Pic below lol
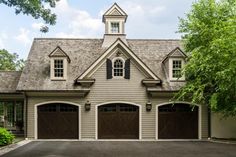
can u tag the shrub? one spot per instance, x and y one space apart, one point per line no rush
6 137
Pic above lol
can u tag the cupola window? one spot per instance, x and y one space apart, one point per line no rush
115 27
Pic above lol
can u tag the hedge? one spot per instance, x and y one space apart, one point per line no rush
6 137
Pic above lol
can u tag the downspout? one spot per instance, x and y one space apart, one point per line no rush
26 114
209 123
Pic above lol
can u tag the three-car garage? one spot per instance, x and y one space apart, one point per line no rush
117 121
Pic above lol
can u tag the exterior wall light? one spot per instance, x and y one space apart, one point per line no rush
87 106
148 106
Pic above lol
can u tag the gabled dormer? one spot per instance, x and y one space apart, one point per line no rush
174 63
114 19
58 64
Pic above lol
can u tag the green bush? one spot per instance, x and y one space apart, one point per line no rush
6 137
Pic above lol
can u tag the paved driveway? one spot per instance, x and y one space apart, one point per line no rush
118 149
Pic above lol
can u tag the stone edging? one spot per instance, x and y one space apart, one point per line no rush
13 146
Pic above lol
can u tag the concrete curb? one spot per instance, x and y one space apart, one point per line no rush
13 146
223 142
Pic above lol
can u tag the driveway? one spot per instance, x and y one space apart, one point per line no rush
118 149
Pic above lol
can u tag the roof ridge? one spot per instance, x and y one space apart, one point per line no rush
158 39
9 71
68 38
102 39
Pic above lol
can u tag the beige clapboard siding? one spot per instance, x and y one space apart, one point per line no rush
204 121
104 91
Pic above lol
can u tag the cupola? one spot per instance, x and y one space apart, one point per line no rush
114 19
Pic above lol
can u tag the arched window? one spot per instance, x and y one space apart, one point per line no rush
118 67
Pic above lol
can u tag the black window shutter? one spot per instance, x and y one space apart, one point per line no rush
109 69
127 69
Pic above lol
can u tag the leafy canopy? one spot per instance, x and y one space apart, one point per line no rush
10 61
35 8
209 35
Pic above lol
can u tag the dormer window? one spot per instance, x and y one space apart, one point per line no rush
176 66
174 63
115 27
58 62
58 68
118 67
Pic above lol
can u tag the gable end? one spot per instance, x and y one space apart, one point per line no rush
177 52
126 49
58 52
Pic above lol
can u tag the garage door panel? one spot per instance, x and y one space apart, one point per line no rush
129 125
107 123
57 121
47 125
68 120
177 122
118 121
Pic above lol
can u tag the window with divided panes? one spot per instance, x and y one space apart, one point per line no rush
115 27
176 68
58 68
118 68
11 114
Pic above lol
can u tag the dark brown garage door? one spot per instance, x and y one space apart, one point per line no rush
177 122
58 121
118 121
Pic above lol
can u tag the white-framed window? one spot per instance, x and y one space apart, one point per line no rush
115 27
118 67
175 69
58 68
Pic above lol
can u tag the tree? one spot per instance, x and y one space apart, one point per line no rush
35 8
209 36
10 61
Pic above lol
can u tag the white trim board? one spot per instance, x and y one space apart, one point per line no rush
51 102
118 102
199 119
112 8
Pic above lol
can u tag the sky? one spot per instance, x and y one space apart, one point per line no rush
147 19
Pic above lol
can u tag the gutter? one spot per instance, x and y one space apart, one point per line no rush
26 114
209 122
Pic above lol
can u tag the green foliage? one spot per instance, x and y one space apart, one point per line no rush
10 61
209 35
6 137
35 8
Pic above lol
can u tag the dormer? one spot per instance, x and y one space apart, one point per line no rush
58 64
174 63
114 19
